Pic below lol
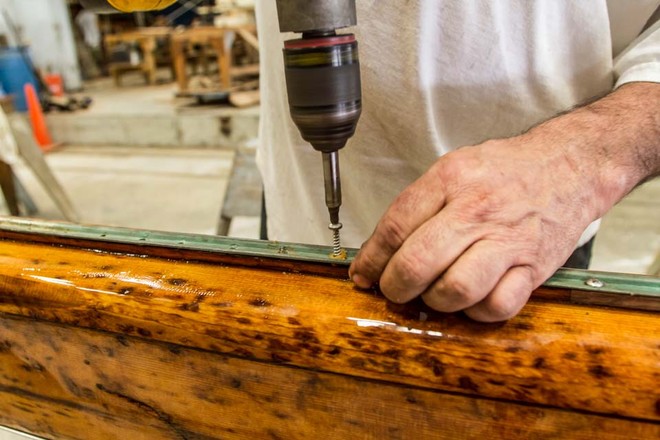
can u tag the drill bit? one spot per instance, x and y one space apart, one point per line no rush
333 197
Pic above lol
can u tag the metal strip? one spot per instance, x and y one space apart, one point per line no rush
195 242
610 282
584 280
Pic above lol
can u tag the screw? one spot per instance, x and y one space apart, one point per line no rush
336 241
594 282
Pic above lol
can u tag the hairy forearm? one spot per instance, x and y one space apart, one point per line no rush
613 142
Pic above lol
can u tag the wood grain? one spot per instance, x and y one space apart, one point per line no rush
587 360
108 387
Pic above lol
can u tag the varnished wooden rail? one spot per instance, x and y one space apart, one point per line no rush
101 340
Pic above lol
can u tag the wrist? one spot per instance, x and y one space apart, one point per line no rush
611 144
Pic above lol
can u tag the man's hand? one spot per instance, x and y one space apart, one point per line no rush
487 224
481 229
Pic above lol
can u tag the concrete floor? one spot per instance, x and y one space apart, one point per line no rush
159 189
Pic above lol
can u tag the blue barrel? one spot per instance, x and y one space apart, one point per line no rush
14 74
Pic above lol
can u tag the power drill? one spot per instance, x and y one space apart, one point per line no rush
322 73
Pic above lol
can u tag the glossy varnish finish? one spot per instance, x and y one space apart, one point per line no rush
132 346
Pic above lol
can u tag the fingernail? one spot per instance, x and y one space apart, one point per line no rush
361 281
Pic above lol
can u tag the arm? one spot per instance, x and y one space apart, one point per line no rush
487 224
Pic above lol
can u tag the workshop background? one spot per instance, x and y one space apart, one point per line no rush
150 120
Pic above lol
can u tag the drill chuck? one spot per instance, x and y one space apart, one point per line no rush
324 90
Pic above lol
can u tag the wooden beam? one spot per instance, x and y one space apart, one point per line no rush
108 387
556 368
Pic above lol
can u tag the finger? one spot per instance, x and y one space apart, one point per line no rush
416 204
508 297
470 279
427 253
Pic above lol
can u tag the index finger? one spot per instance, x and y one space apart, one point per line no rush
412 208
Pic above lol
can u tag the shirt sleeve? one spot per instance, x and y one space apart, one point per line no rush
640 61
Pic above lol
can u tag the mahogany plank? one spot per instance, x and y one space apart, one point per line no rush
72 383
560 363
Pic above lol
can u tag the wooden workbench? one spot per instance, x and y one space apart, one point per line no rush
146 38
107 333
215 38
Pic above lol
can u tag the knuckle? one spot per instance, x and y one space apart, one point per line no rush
459 288
501 307
448 168
505 301
437 300
450 294
365 263
391 231
432 299
405 201
410 269
457 163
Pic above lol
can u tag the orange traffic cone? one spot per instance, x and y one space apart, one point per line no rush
39 127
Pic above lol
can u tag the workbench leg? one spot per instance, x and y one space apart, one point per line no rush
204 59
116 76
114 71
16 195
8 188
24 197
179 62
224 62
223 225
654 268
148 47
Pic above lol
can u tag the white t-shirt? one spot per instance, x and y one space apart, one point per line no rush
438 75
